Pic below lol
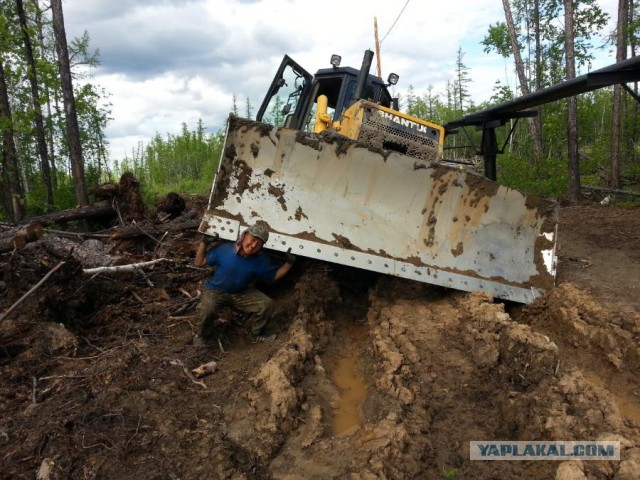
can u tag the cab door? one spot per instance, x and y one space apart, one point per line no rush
287 95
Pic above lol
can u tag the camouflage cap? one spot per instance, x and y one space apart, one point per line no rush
259 231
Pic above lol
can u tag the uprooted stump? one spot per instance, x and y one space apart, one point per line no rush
171 203
125 197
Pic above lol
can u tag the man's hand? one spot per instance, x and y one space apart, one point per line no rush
286 266
291 258
209 239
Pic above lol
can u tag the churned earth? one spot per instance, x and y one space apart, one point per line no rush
370 377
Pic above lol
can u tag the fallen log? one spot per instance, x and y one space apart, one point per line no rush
611 191
102 210
90 253
105 190
16 238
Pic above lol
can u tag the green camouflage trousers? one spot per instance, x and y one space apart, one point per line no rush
251 301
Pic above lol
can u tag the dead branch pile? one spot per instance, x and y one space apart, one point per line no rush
60 276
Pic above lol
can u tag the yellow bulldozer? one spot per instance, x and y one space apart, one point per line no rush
338 173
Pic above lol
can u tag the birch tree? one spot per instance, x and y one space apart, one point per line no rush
534 125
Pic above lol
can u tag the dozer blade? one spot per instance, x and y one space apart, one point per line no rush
330 198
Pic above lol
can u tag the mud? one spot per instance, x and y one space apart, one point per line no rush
278 192
299 215
243 177
223 175
244 124
353 392
344 242
458 250
370 377
308 140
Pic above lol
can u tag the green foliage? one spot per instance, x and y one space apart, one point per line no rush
548 178
65 195
450 473
498 39
186 162
411 102
80 52
428 106
501 93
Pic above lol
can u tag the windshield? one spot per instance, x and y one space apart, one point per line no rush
286 97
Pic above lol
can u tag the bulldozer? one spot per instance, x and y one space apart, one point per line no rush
338 173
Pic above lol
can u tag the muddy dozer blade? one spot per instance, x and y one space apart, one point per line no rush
329 198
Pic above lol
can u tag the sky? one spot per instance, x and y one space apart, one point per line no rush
166 62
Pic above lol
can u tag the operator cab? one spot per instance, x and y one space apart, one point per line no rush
291 99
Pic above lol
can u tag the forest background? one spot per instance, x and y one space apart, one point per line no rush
53 118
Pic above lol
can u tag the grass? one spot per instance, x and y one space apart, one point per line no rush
450 473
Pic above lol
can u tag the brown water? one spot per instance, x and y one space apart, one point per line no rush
348 377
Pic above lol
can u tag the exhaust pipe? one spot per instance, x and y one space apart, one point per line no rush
362 77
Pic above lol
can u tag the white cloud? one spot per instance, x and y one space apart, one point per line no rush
160 105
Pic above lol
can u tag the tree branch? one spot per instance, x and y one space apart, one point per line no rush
123 268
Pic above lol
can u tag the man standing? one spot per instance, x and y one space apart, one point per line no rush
237 265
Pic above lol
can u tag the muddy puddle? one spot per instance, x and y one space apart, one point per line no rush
348 376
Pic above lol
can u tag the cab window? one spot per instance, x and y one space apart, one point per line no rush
285 100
